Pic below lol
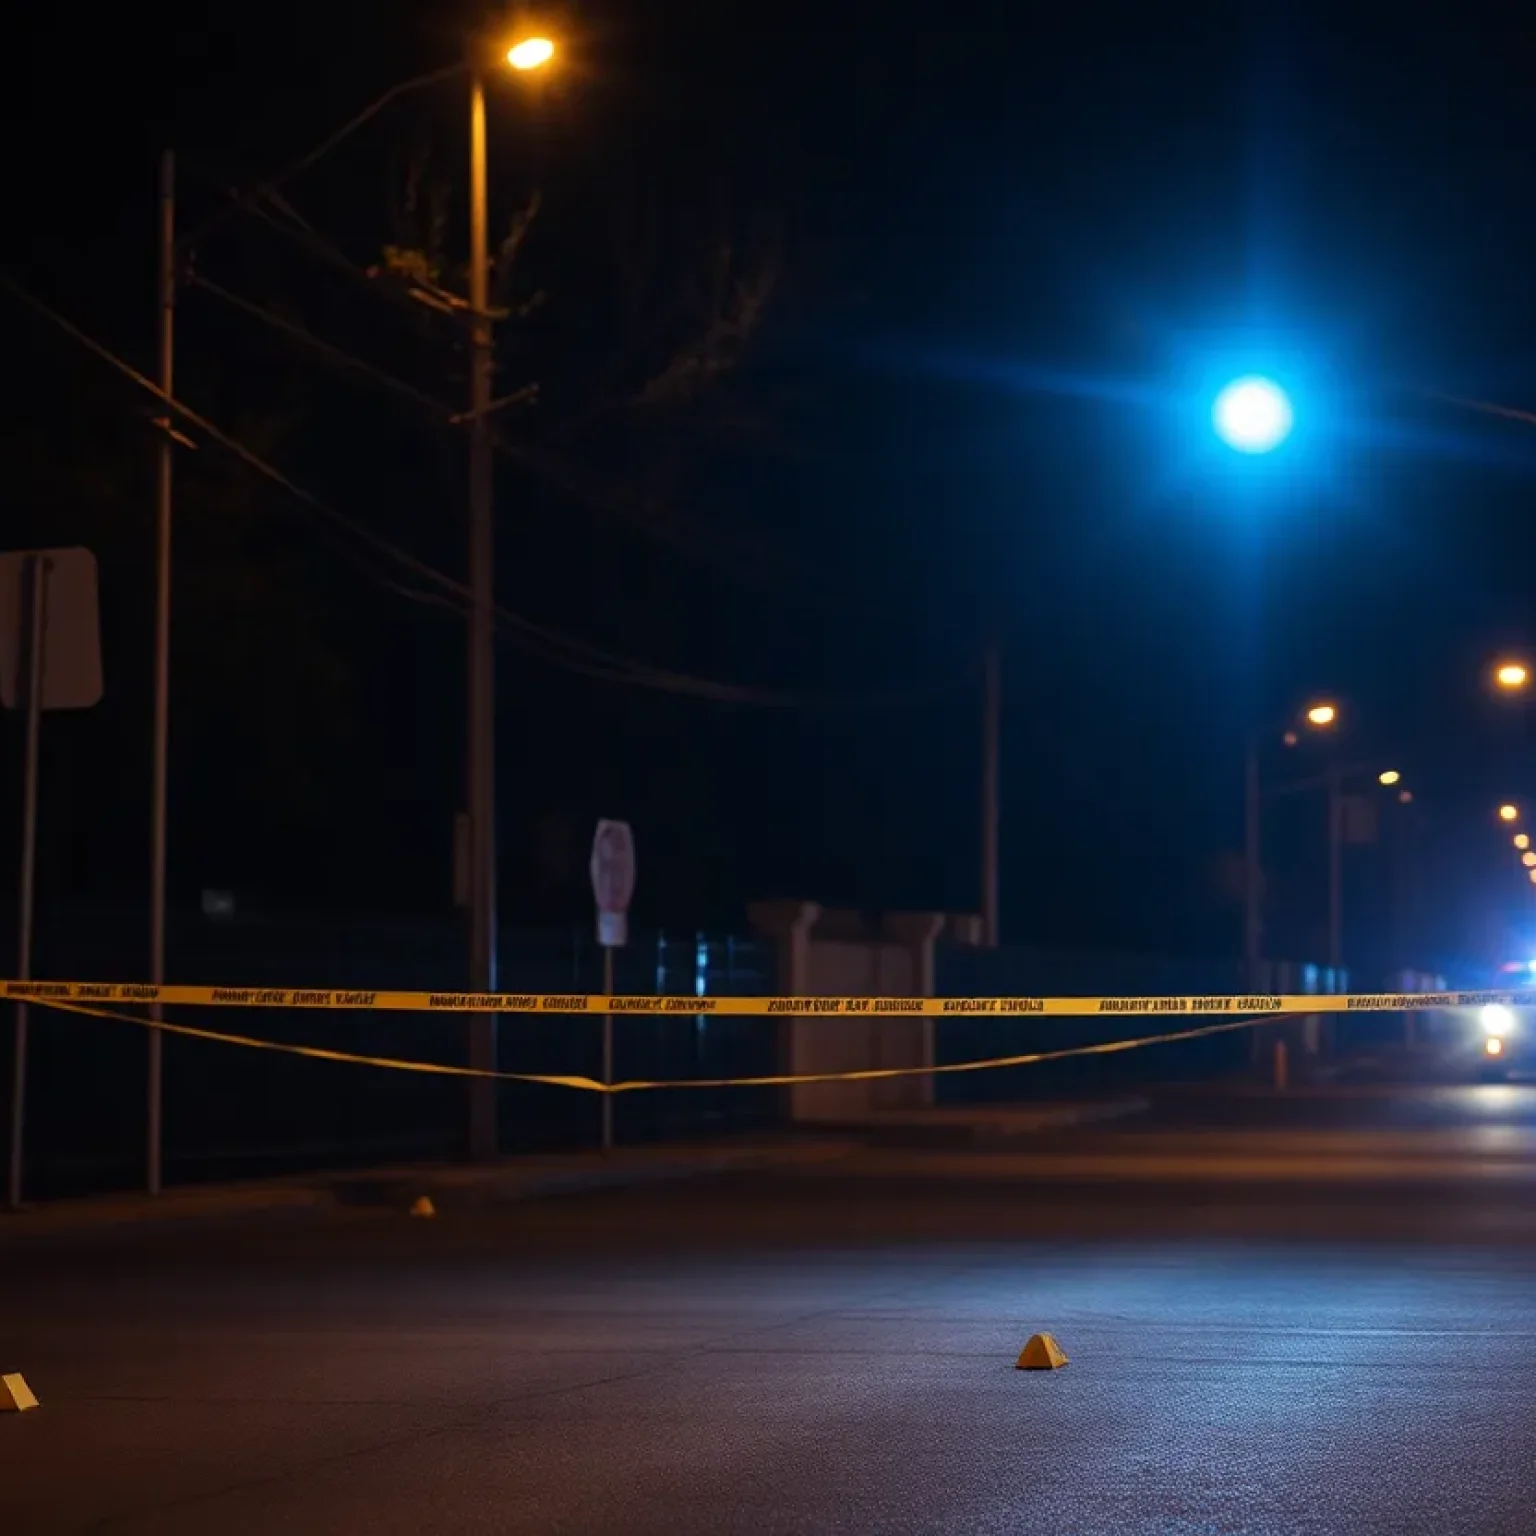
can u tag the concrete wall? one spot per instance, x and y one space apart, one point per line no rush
840 954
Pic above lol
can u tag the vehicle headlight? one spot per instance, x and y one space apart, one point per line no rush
1497 1020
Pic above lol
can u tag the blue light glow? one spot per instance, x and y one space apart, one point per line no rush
1252 415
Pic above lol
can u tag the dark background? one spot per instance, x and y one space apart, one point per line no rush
1018 249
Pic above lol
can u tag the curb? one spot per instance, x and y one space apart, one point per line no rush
116 1212
459 1189
450 1188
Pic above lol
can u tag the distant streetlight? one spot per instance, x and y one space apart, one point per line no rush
1522 840
530 53
1252 415
1509 813
1405 797
1391 776
1529 860
1320 716
1512 676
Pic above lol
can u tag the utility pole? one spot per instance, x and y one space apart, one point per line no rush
154 1096
991 768
1402 945
1335 871
1253 870
483 1142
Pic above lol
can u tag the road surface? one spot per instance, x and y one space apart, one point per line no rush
1329 1350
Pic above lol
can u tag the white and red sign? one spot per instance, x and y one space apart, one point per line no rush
613 881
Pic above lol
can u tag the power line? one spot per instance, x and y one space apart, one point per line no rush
1488 408
563 650
564 477
559 474
305 161
338 356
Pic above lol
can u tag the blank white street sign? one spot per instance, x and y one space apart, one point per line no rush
613 880
71 633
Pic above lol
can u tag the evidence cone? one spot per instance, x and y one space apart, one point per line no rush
15 1395
1042 1353
422 1206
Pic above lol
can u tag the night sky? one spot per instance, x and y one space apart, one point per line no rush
1017 248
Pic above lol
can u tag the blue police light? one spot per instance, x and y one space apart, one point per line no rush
1252 415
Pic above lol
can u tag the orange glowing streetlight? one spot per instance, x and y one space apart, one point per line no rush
1391 776
1529 860
1522 840
1509 812
523 54
1320 715
1512 676
530 53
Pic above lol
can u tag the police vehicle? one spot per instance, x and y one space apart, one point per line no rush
1505 1034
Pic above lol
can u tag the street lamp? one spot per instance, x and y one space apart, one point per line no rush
1529 860
1252 415
1509 813
1319 716
1522 840
529 53
1512 676
1391 776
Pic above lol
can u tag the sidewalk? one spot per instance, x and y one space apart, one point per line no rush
450 1187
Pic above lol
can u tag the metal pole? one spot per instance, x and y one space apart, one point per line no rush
607 1049
35 635
991 814
1322 1031
1253 873
162 684
1402 942
1335 870
1401 948
483 1138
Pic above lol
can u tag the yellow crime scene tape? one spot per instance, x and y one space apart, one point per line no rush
635 1085
89 999
742 1007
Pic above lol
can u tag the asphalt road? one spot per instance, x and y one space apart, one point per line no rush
828 1352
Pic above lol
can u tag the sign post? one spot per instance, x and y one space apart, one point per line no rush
613 885
50 658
